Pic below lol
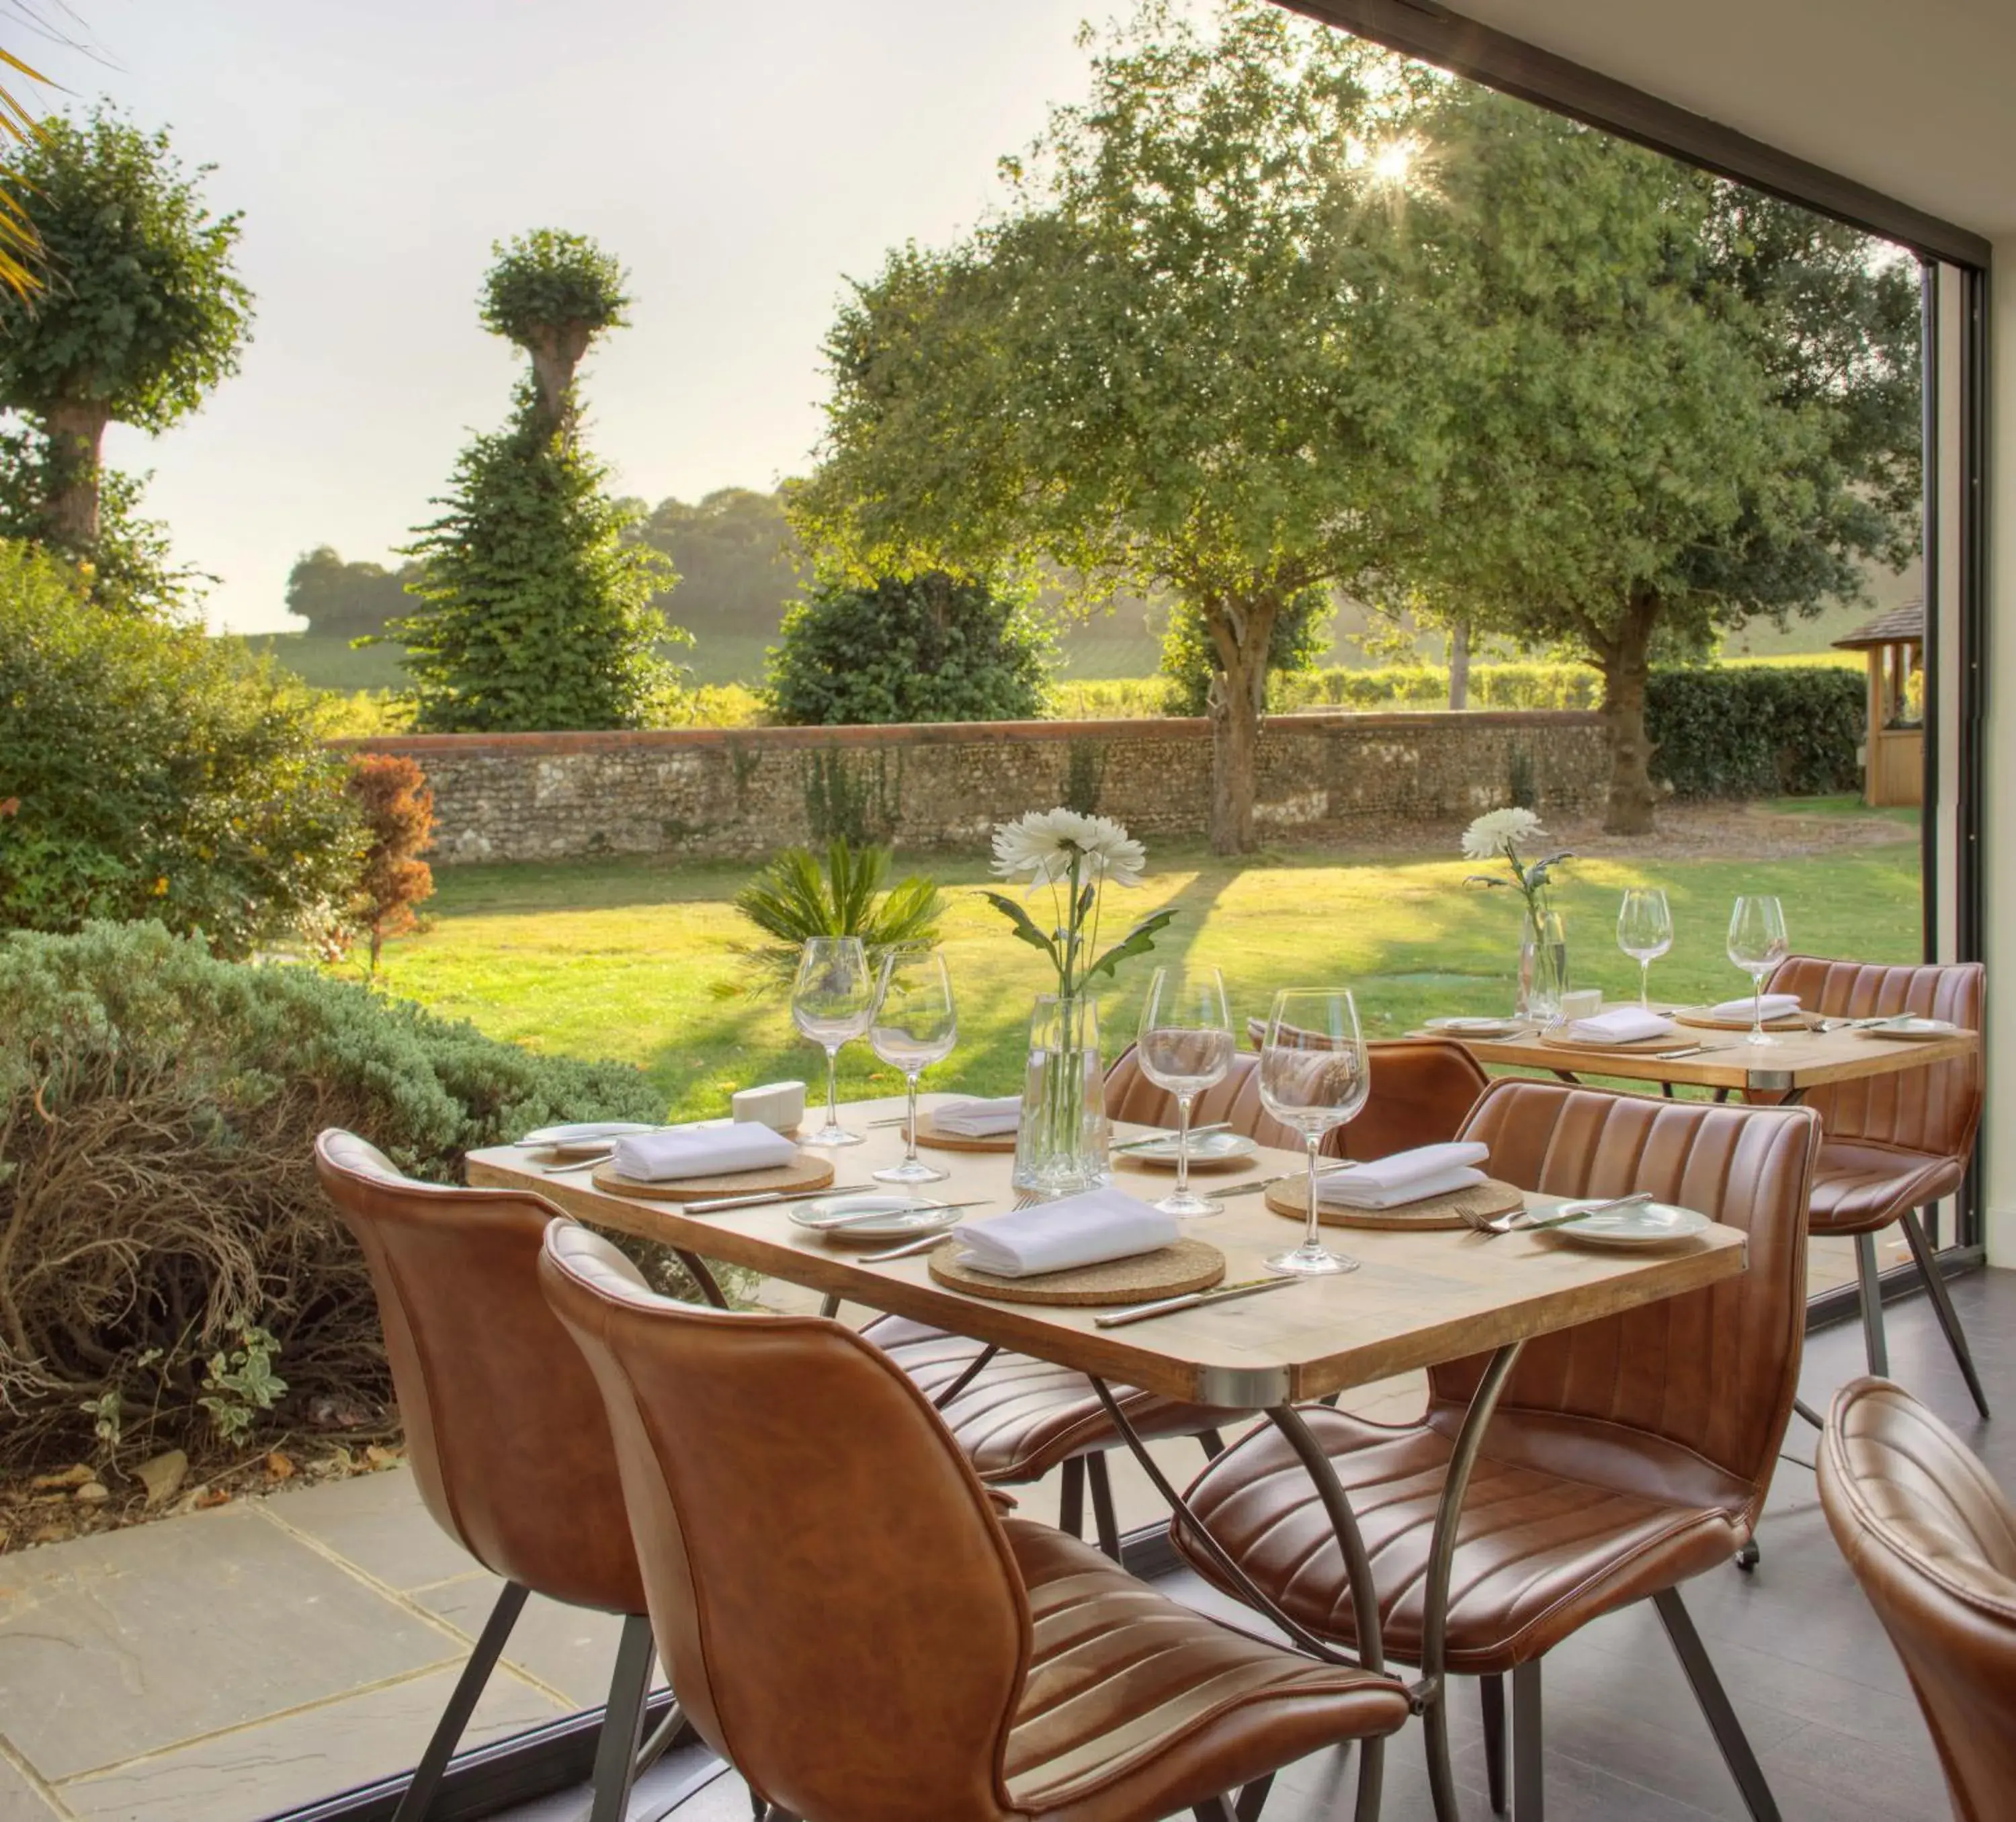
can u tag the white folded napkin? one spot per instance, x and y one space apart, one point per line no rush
1626 1024
701 1151
1406 1177
1776 1006
978 1120
1081 1230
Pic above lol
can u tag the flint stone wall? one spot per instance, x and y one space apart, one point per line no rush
741 793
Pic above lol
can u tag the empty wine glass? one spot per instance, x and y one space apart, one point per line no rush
832 1001
1644 932
1314 1074
915 1026
1757 944
1186 1046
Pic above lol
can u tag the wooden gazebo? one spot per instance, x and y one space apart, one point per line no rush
1894 765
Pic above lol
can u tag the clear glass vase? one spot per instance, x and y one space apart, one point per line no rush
1543 968
1061 1146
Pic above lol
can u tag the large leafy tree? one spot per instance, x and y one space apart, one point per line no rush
538 607
1145 371
1665 404
142 312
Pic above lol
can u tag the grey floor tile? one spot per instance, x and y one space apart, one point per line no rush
375 1521
20 1800
571 1649
128 1642
257 1771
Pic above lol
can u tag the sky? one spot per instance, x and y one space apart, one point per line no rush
742 161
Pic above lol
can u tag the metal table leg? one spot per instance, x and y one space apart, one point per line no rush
702 1275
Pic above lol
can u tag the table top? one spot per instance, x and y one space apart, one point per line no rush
1416 1300
1794 1061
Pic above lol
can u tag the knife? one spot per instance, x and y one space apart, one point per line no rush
720 1205
1285 1177
1196 1132
1193 1300
882 1217
1580 1213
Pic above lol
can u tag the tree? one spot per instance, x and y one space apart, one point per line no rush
1190 661
398 810
1666 404
142 313
737 557
347 601
538 601
1147 370
930 648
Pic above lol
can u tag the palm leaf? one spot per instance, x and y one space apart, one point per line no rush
797 896
20 243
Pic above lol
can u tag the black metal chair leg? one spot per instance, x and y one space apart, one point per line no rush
469 1686
1212 1443
1105 1524
1071 1498
1874 1344
1253 1799
1715 1705
1490 1690
1942 1301
1749 1556
1811 1415
1215 1809
622 1722
1529 1784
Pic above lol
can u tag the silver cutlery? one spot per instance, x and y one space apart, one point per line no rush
567 1164
1191 1300
1674 1056
757 1199
1516 1223
1285 1177
1024 1199
837 1222
1196 1132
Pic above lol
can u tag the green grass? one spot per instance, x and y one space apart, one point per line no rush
636 960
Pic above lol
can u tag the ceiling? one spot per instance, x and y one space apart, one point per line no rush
1916 99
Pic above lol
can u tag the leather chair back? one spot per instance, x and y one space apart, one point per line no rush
1933 1542
1935 1110
1699 1386
820 1560
1421 1090
504 1426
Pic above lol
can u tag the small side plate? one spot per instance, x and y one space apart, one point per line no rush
1205 1148
1647 1224
587 1135
1913 1030
1473 1027
900 1217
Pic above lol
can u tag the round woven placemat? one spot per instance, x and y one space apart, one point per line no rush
928 1135
1704 1021
1189 1265
805 1172
1488 1199
1596 1047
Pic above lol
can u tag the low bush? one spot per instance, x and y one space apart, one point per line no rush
1762 730
166 1254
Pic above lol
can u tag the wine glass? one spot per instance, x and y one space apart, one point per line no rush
1186 1046
832 1001
1757 944
1314 1074
915 1026
1644 932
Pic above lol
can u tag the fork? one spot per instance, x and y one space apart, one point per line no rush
1025 1199
1492 1226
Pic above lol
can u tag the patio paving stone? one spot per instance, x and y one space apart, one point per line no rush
375 1521
569 1649
20 1800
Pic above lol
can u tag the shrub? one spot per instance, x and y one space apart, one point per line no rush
793 898
159 1210
1763 731
398 811
160 774
928 648
1189 662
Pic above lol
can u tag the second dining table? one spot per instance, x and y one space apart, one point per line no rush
1417 1299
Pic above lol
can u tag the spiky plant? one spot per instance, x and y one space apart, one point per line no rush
799 896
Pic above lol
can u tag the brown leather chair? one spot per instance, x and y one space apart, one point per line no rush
1895 1144
1626 1454
1932 1540
852 1624
1018 1418
504 1432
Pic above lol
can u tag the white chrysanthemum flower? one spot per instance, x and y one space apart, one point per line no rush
1489 837
1043 844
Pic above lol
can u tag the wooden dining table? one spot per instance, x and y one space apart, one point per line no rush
1417 1299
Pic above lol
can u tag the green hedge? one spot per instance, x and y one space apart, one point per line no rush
1762 731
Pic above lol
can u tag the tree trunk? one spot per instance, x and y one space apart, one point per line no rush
1625 660
76 433
1459 664
557 349
1240 631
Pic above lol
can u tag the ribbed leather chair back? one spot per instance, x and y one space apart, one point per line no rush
1932 1539
1935 1110
836 1603
1711 1373
505 1428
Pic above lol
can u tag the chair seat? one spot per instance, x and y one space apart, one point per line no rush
1859 1186
1021 1417
1565 1518
1136 1706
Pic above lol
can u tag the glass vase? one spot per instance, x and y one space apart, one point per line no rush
1543 968
1060 1147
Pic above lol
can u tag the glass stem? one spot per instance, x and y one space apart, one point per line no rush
910 1128
1182 1145
832 1086
1645 984
1313 1233
1757 1013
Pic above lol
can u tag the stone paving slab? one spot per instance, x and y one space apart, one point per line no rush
568 1649
19 1800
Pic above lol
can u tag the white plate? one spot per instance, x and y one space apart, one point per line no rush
1474 1027
1205 1148
1656 1223
1913 1030
585 1135
900 1217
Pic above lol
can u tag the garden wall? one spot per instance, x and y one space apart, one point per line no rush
741 793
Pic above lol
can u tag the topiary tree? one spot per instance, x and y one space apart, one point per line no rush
552 293
928 648
142 312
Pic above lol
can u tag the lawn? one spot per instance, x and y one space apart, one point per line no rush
638 960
